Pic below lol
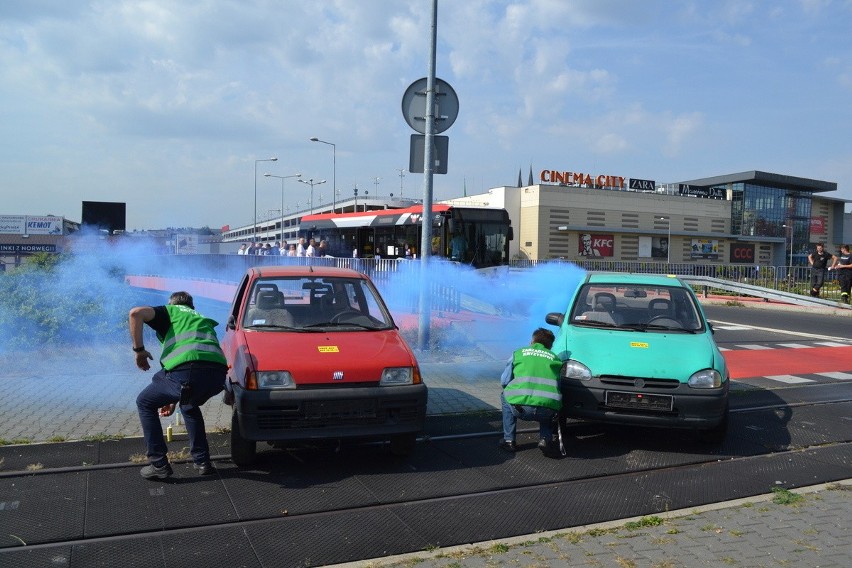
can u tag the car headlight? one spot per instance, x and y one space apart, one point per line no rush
275 380
397 376
576 370
706 379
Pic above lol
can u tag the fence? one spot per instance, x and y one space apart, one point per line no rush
794 279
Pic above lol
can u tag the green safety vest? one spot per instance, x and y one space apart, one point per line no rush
536 378
191 337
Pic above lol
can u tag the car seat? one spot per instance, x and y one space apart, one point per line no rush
660 307
603 309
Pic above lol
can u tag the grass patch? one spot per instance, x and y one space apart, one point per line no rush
652 521
34 467
15 441
57 439
103 437
785 496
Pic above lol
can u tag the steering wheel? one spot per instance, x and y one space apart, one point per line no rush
347 314
665 317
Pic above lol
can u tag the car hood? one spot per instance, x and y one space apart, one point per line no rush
643 354
315 357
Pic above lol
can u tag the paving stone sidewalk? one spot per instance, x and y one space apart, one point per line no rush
808 527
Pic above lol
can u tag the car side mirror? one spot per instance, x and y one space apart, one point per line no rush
232 322
554 318
710 325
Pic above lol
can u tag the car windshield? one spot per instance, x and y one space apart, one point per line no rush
637 308
314 304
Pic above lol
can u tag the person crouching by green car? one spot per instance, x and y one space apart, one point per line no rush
531 391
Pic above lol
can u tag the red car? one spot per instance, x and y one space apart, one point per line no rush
314 354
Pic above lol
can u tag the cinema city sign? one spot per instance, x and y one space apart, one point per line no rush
576 178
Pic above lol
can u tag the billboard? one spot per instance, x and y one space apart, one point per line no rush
705 248
31 225
741 254
660 247
104 215
596 246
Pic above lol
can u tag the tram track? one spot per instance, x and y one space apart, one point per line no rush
447 446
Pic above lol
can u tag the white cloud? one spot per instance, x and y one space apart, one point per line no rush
175 100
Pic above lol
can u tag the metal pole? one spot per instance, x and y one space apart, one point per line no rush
254 229
333 172
428 169
282 178
669 249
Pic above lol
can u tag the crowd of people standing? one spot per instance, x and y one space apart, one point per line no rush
309 248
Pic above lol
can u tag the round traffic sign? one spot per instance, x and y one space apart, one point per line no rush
414 105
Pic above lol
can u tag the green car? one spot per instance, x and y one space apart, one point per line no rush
638 350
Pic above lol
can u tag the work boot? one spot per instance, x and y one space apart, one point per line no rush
151 471
205 468
507 446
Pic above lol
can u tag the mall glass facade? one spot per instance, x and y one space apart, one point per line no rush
765 211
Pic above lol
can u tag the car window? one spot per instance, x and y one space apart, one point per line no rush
637 306
308 302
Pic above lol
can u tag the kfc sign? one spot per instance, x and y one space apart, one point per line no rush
741 254
596 246
817 226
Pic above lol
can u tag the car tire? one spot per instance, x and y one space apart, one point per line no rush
242 451
403 444
716 434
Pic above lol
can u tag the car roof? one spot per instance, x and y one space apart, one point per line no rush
308 270
625 279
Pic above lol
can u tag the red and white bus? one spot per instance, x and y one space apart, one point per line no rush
471 235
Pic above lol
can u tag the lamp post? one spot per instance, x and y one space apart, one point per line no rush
333 172
669 243
282 178
312 183
790 228
401 175
254 229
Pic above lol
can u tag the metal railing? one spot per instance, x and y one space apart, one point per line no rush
777 283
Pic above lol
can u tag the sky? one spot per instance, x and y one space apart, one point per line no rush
166 105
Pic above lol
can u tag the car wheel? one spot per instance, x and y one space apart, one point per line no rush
242 450
716 434
403 444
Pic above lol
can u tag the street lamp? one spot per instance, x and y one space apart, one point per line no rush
401 175
282 178
254 229
333 172
312 183
791 229
669 243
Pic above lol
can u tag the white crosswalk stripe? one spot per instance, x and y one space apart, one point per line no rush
789 379
732 327
836 375
831 344
794 345
755 347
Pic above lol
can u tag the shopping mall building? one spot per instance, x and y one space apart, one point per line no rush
754 217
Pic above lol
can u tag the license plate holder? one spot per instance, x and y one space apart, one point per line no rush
639 401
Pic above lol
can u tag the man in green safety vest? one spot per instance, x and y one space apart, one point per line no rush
531 390
193 370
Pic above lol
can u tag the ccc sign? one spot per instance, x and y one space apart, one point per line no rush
742 254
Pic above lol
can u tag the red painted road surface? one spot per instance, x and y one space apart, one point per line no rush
746 363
